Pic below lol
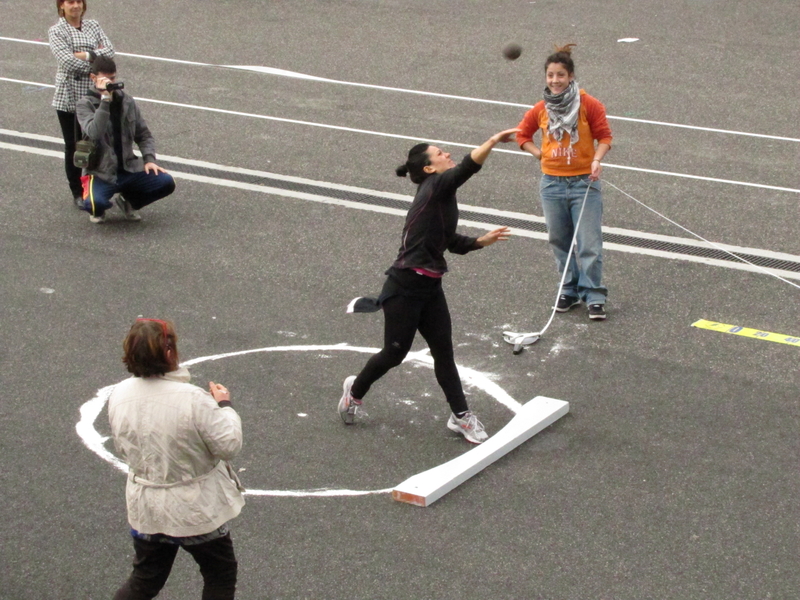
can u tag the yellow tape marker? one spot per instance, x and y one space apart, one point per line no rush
747 332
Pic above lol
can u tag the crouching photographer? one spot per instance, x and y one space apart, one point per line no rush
111 124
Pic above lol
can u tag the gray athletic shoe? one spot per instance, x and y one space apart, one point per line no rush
126 208
348 406
99 219
469 427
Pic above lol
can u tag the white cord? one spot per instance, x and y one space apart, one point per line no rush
525 339
569 256
717 246
519 340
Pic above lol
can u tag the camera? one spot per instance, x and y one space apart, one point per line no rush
118 85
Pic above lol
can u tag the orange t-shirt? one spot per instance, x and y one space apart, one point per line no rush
560 158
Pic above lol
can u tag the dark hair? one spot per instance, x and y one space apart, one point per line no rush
562 55
146 348
61 10
418 159
103 64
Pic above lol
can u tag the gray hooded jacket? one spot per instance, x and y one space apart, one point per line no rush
94 115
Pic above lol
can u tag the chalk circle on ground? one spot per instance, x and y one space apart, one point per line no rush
90 410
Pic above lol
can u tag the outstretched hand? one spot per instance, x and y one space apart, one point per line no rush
504 136
500 234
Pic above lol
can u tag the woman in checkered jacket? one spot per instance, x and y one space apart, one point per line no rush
75 42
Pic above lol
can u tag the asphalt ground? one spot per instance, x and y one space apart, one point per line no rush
675 473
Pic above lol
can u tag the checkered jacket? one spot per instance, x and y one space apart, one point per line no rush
72 78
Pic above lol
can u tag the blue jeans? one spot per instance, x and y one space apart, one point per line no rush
562 198
140 189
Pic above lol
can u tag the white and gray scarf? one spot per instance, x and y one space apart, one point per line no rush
562 112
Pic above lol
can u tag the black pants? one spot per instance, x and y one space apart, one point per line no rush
153 563
69 127
426 311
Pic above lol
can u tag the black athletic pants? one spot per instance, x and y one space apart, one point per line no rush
153 563
404 315
69 127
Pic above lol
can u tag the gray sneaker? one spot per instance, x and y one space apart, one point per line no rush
348 406
469 427
126 208
98 219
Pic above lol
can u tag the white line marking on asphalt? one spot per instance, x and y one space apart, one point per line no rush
489 212
91 409
296 75
417 139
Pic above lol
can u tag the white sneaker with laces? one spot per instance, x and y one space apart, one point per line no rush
348 406
469 426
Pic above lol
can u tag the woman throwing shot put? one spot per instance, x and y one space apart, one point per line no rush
75 43
571 122
412 298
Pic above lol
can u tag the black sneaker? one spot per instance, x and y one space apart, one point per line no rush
78 202
566 302
597 312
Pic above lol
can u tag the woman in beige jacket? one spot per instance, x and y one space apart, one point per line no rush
176 439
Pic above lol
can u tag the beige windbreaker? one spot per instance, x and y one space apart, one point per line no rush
176 441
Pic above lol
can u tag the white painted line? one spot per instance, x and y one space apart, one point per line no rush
91 409
426 488
489 212
418 139
701 178
296 75
405 198
715 262
41 151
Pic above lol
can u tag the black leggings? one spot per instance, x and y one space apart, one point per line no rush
403 317
69 127
153 563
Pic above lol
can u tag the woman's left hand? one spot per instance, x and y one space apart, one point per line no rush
597 169
500 234
504 136
219 392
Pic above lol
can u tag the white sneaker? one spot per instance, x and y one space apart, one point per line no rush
469 427
126 208
348 406
100 219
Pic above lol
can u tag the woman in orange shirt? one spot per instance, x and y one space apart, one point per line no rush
575 138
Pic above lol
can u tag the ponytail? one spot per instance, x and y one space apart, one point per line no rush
414 167
562 55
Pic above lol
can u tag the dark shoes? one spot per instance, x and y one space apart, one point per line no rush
597 312
566 302
127 209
